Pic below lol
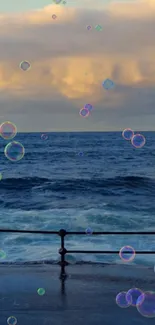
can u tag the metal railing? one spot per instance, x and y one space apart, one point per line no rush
63 251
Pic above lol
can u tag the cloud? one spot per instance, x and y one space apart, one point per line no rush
69 63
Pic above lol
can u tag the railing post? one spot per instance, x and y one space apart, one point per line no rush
62 252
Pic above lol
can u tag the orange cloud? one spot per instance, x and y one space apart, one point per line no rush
89 57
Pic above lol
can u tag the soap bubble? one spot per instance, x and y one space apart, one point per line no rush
127 134
138 140
41 291
14 151
127 254
121 300
135 297
89 231
84 112
25 65
89 107
2 254
147 307
8 130
70 259
108 84
54 16
12 320
57 2
44 136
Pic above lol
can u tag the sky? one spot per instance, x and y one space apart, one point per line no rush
69 64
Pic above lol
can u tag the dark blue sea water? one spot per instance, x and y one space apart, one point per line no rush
75 181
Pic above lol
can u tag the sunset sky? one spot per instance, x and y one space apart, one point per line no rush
69 64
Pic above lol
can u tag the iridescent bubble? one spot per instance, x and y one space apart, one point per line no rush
138 140
2 254
70 259
127 134
54 16
25 65
127 254
108 84
121 300
89 107
57 2
147 307
135 297
8 130
14 151
41 291
44 136
81 154
84 112
89 231
12 320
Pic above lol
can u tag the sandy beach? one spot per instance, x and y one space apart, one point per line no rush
87 298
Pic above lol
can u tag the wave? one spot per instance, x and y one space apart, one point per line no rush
76 184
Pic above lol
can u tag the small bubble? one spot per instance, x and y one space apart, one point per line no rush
89 107
41 291
25 65
108 84
89 27
54 16
2 254
44 136
89 231
84 112
127 254
70 259
12 320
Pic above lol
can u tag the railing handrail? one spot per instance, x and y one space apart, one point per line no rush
63 251
50 232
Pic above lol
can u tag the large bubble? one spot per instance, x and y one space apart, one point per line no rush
8 130
147 307
127 253
84 112
121 300
138 140
12 320
14 151
127 134
134 296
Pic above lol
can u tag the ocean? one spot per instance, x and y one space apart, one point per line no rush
75 181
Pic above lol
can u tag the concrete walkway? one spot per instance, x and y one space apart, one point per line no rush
87 299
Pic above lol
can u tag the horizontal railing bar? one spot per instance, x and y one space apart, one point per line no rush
111 233
108 252
30 231
50 232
